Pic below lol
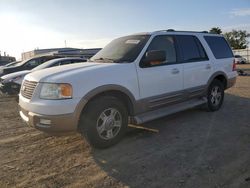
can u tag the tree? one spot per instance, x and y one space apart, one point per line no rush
237 38
215 30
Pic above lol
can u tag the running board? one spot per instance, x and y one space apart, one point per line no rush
151 115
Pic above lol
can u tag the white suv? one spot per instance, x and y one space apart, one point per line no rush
134 79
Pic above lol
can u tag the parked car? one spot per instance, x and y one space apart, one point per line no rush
134 79
11 83
6 59
25 65
11 64
240 60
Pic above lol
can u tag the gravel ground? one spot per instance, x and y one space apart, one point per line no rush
193 149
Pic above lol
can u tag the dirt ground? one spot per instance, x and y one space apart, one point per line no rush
193 149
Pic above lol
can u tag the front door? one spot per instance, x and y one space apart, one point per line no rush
159 80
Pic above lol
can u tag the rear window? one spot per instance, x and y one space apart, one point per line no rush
219 47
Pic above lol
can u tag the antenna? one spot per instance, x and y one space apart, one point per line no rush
65 43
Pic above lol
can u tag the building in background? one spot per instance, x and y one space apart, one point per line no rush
5 59
87 53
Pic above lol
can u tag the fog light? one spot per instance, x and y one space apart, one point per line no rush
45 121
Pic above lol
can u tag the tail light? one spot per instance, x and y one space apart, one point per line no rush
234 66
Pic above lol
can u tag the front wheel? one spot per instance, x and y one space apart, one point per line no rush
215 95
104 122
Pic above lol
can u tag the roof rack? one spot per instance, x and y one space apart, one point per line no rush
172 30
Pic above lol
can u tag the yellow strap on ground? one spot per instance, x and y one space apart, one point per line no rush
144 128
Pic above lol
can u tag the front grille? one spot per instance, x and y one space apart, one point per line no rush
28 88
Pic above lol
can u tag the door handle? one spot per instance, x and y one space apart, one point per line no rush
208 66
175 71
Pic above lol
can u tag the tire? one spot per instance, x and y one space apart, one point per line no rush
215 96
104 122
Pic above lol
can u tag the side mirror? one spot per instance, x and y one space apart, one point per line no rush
155 55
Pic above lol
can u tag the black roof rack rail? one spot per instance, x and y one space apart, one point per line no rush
172 30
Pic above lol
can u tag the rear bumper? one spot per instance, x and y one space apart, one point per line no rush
231 82
51 124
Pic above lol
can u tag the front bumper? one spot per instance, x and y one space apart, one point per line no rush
51 124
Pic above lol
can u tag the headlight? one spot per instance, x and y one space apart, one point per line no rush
56 91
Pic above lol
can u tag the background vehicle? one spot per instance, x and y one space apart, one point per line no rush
11 83
25 65
240 60
6 59
10 64
135 79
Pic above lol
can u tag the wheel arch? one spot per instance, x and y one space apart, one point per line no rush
221 76
117 91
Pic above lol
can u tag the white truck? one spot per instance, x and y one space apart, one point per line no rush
134 79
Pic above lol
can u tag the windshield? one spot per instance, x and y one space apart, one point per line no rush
124 49
19 63
45 65
12 64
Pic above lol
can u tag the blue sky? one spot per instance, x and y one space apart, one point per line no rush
33 24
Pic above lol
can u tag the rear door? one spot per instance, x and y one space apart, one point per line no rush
196 66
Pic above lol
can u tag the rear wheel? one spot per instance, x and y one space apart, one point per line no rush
215 95
104 122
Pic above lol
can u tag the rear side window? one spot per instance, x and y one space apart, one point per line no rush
191 49
219 47
78 60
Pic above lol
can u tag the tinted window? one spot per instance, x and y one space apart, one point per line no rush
190 49
202 52
33 63
78 61
53 65
65 62
219 47
164 43
49 58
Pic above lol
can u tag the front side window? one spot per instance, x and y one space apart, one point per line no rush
191 49
124 49
162 43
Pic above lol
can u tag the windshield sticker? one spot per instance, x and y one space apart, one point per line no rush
132 41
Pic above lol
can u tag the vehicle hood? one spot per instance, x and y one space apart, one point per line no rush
56 74
15 74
